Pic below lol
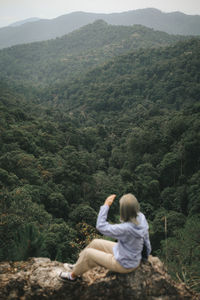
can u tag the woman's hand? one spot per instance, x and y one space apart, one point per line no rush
109 200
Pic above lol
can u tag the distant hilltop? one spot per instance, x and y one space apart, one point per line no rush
32 30
19 23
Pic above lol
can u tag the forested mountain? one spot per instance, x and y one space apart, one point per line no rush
149 74
56 60
173 23
128 123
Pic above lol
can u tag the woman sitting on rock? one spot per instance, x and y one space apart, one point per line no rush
123 256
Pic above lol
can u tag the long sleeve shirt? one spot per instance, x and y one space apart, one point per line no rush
131 238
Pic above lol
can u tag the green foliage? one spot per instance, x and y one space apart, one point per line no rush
83 213
59 242
129 125
57 205
194 194
182 253
164 225
27 243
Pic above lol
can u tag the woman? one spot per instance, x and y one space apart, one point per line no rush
123 256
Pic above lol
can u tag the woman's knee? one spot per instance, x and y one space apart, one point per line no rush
86 252
93 243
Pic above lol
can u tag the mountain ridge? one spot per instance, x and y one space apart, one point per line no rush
79 51
171 23
21 22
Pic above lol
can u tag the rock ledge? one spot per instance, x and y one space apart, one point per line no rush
38 279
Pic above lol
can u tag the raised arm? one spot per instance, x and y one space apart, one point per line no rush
114 231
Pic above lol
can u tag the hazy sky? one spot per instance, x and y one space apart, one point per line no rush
15 10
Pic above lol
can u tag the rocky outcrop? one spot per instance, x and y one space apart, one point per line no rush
38 279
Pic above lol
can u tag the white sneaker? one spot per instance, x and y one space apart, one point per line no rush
65 276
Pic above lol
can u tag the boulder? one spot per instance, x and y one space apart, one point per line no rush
38 278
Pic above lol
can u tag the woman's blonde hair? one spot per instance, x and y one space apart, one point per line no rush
129 208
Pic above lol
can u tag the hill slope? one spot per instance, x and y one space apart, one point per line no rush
173 23
169 74
67 57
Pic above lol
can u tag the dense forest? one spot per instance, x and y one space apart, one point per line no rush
125 119
54 61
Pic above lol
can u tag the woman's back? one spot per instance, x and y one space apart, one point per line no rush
131 238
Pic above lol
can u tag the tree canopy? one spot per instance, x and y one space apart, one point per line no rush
129 123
